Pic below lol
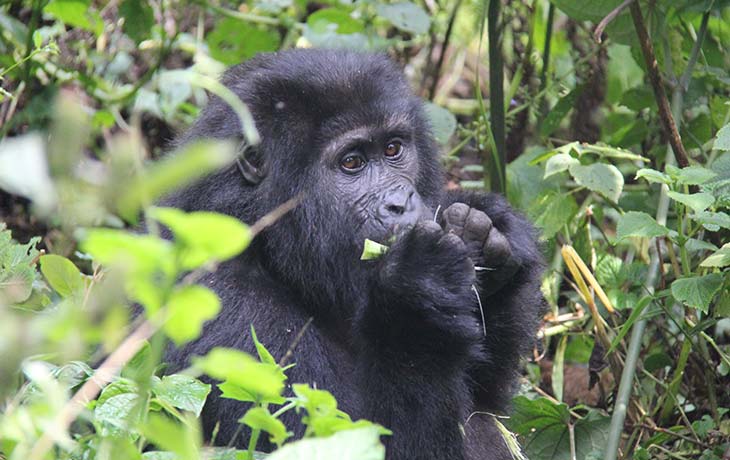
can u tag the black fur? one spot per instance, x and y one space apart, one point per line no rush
398 340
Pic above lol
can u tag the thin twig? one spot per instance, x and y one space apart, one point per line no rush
665 113
610 17
270 218
295 342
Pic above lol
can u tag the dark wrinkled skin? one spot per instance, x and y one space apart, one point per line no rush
398 340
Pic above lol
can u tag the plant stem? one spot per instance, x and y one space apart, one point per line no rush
665 114
496 96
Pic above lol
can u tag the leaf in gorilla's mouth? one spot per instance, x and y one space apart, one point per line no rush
372 250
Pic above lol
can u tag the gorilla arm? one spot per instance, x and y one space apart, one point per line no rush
416 337
504 243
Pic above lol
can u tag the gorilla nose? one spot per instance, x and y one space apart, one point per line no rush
401 205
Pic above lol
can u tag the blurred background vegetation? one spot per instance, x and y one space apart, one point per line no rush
606 121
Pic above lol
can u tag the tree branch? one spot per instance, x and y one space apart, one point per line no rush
665 113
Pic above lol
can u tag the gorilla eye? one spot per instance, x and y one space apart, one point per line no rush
393 149
352 163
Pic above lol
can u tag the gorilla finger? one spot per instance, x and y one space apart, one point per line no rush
497 250
452 242
454 218
477 226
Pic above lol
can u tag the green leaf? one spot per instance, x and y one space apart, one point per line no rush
37 39
182 391
259 418
146 261
443 122
334 20
323 418
406 16
697 291
264 355
722 140
172 436
372 250
639 224
559 111
581 10
188 308
357 444
77 13
117 414
545 426
696 201
652 175
712 221
602 178
204 236
17 268
239 368
62 275
559 163
721 258
233 40
192 162
695 175
138 19
555 211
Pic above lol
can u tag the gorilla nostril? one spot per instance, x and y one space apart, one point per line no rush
398 210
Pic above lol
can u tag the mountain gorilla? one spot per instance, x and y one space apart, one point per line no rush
419 339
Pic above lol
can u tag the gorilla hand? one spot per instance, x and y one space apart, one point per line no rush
488 247
423 295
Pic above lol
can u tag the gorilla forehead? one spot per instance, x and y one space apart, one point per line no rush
323 90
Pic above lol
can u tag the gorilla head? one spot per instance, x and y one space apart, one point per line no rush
343 132
417 340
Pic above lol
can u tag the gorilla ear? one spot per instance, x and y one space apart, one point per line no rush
250 163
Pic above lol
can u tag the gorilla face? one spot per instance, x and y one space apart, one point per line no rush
373 173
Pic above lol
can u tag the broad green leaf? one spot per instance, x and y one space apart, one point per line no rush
695 175
721 258
639 224
239 368
192 162
722 140
696 201
202 236
553 211
138 19
559 163
172 436
188 308
117 414
259 418
61 274
146 261
233 40
372 250
697 291
118 387
602 178
545 426
406 16
559 111
443 122
77 13
357 444
182 391
712 221
581 10
334 20
652 175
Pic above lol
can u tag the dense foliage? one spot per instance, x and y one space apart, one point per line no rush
607 122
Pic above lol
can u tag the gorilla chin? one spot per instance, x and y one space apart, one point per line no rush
399 340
